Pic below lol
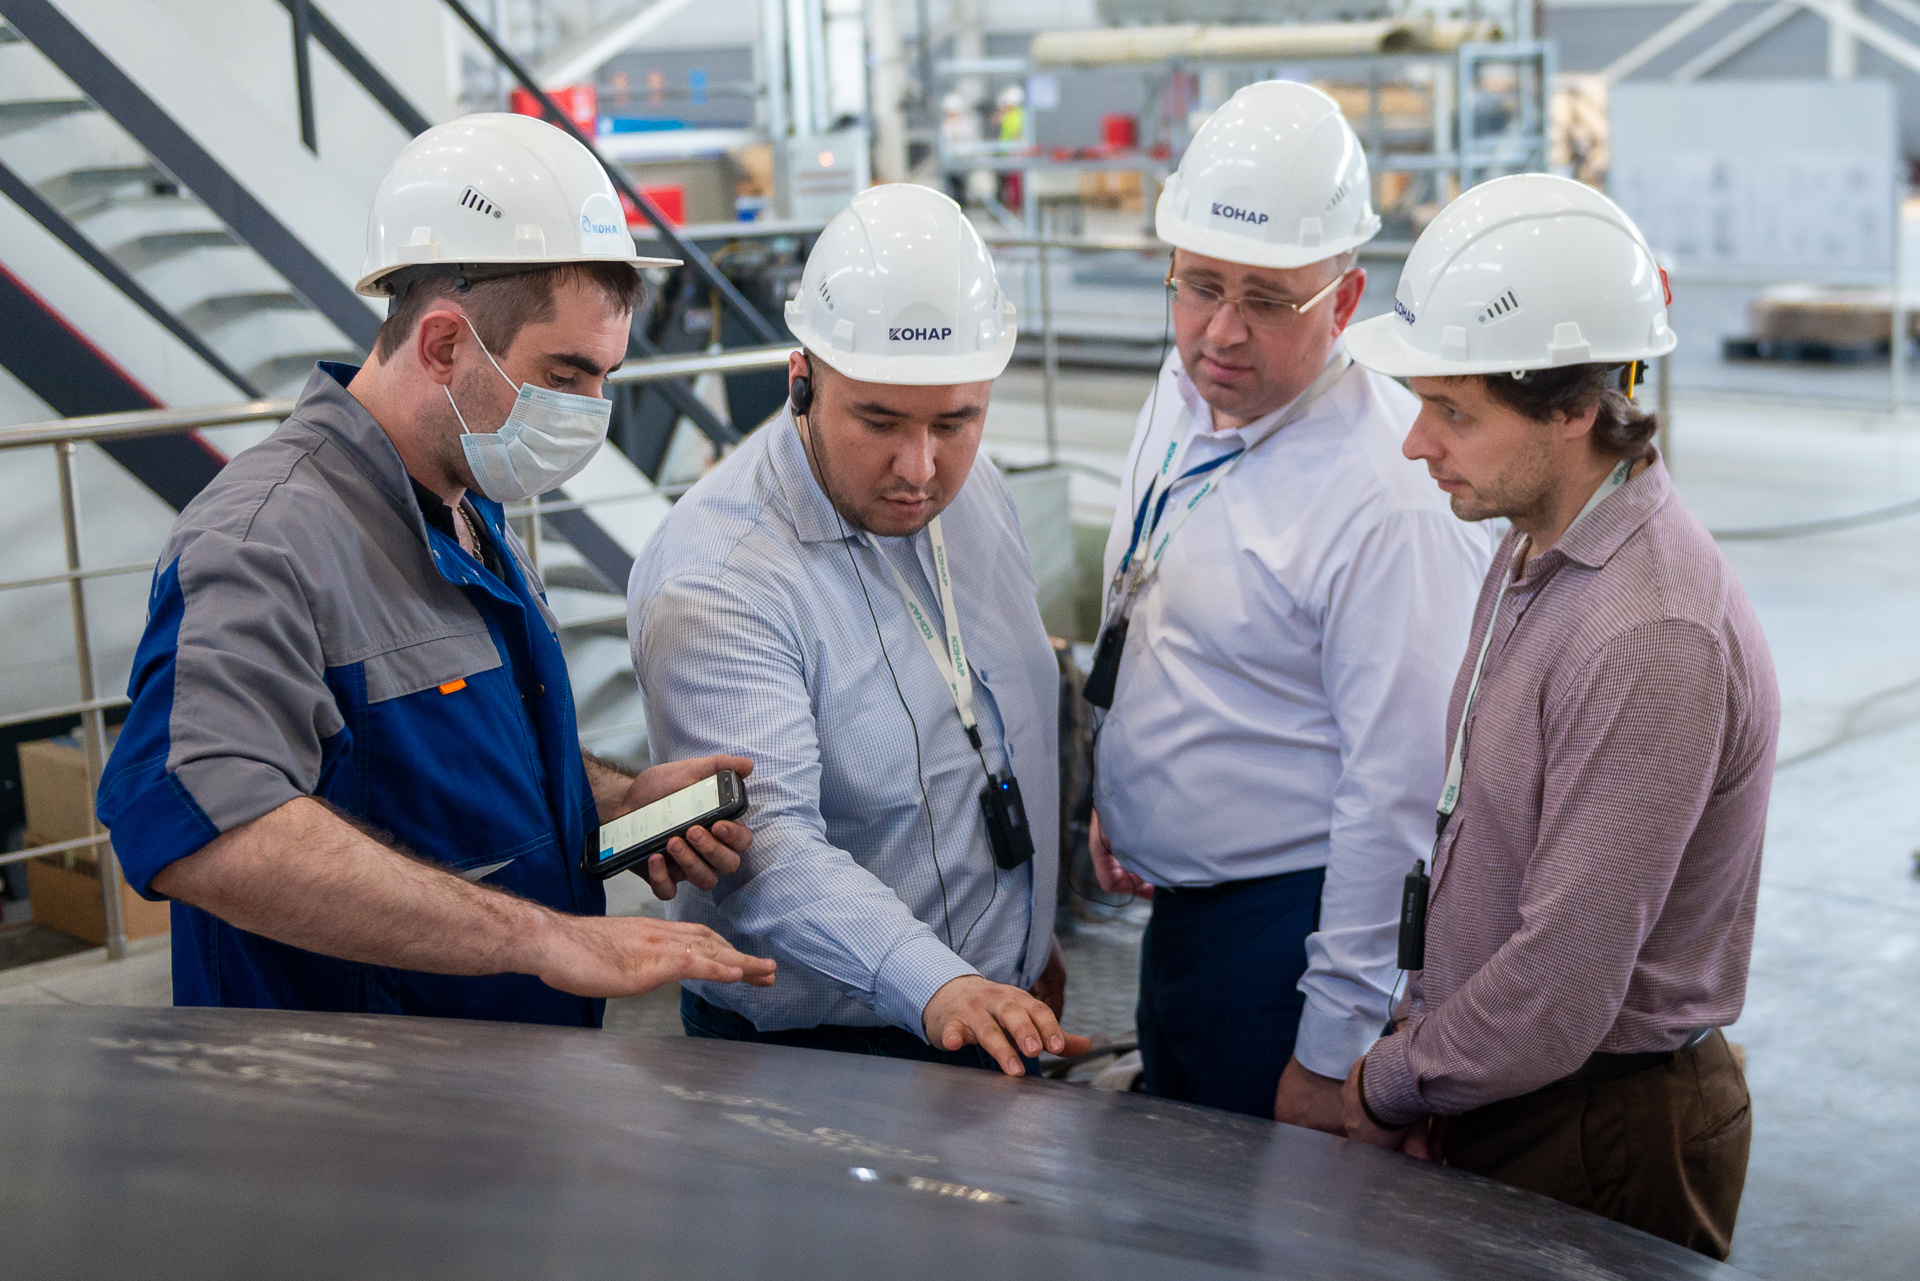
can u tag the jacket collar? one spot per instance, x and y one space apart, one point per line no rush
326 405
1593 541
814 519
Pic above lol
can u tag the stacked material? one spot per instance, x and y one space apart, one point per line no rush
1194 42
1823 314
1820 323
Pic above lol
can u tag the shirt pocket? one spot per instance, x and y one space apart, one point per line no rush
448 763
429 664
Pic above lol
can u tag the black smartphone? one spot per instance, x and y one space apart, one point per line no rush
629 840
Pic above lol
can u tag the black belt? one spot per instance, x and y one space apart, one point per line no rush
1611 1067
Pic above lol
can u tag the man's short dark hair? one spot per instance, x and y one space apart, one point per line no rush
1620 427
501 306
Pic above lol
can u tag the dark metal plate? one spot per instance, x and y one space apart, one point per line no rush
235 1143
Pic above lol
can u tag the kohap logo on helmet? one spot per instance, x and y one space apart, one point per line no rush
1253 216
910 333
1403 311
592 228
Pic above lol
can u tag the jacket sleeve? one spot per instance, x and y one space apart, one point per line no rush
231 714
721 676
1395 629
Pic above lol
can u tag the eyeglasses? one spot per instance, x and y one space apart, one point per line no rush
1258 310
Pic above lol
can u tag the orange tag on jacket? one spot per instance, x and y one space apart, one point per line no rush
453 687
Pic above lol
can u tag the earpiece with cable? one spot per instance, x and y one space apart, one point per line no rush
800 398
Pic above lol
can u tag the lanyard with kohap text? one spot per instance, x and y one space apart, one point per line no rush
950 658
1008 834
1141 563
1413 901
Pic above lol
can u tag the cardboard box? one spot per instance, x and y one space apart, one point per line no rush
53 779
67 898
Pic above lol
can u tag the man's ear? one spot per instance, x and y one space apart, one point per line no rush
437 341
1346 299
1572 426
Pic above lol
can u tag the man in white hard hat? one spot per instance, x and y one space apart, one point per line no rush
849 601
351 759
1287 595
1588 918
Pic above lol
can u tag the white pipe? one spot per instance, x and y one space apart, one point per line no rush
889 91
581 59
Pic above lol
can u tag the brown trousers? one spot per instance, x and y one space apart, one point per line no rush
1663 1150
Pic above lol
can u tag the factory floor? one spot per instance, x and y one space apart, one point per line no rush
1828 1031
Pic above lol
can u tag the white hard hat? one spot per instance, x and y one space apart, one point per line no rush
953 102
1013 96
900 289
494 188
1275 178
1526 272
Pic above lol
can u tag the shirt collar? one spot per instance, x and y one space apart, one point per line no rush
1593 541
1203 413
814 519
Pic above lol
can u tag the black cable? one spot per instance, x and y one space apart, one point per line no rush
919 769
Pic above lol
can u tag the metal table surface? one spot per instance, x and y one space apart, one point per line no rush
237 1143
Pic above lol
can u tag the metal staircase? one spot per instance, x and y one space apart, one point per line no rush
106 187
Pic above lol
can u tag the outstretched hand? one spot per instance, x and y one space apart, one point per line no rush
611 956
971 1010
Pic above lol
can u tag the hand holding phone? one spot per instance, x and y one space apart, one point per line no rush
628 841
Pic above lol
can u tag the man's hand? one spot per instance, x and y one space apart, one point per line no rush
1113 878
1360 1127
1308 1099
970 1010
610 956
1050 989
704 857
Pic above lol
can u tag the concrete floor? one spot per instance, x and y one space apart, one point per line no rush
1828 1030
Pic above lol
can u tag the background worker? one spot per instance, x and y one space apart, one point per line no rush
351 759
848 600
1612 735
1287 596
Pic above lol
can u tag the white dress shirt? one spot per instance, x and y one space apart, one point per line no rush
1282 698
752 634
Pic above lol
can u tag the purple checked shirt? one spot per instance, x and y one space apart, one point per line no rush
1595 887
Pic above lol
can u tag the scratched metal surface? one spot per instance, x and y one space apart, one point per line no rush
233 1143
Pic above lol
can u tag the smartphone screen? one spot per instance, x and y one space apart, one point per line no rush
664 815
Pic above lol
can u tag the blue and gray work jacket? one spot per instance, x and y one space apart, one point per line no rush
310 634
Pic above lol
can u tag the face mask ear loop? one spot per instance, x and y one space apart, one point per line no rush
490 360
464 429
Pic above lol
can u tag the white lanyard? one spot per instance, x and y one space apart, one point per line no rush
951 659
1136 571
1457 764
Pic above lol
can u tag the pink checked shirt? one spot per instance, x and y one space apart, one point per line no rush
1595 887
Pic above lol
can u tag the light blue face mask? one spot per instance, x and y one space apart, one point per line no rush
547 439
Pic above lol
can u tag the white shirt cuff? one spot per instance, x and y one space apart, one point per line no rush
1330 1045
909 976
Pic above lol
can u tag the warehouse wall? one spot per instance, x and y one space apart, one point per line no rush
1589 38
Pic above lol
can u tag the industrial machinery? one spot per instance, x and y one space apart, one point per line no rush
240 1143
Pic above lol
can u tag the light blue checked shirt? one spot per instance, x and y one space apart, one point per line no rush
751 634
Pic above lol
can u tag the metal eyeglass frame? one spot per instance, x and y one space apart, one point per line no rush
1296 308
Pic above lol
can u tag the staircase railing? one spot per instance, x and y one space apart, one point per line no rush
65 436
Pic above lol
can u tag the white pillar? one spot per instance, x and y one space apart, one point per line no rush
969 43
1843 53
844 41
889 91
